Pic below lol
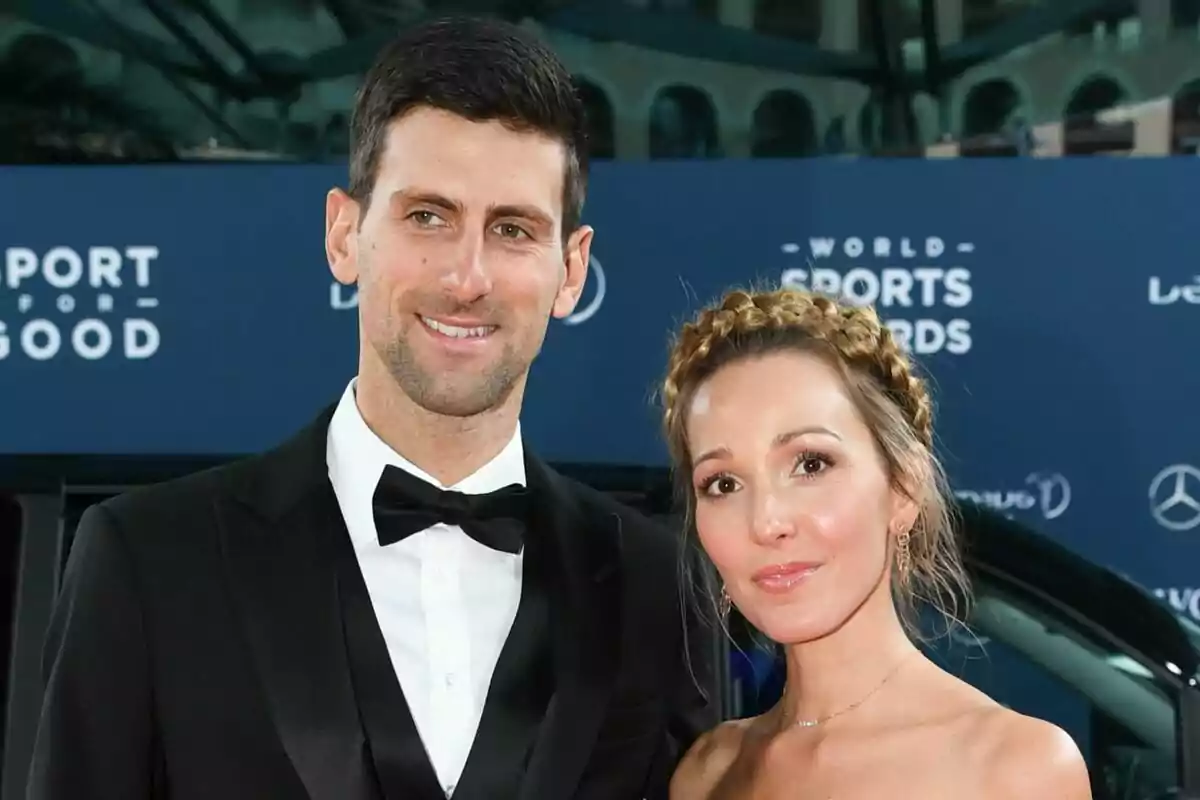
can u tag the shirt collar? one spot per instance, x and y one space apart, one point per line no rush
357 457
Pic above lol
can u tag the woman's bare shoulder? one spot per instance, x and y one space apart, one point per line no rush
708 759
1007 755
1021 757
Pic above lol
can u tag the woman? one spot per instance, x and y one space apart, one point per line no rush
805 443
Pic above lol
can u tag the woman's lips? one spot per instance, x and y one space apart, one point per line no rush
779 578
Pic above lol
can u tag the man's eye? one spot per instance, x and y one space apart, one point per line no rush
426 218
510 231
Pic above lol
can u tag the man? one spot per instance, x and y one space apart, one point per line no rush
328 620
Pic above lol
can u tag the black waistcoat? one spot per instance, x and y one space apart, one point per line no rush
516 703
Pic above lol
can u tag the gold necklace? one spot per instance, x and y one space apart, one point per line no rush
812 723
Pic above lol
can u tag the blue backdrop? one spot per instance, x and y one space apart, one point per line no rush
189 310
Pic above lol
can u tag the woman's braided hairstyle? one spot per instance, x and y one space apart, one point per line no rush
892 399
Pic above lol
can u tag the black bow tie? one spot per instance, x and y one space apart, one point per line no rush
404 504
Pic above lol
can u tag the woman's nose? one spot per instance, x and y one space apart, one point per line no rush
771 518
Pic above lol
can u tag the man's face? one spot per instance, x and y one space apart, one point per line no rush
459 258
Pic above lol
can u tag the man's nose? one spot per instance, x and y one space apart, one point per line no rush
469 279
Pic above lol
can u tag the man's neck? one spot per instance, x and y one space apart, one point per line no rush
448 448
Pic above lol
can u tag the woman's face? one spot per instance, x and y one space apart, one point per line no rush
793 502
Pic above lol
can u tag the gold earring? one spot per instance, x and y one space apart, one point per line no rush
903 556
725 605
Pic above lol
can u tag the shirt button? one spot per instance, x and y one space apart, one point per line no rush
448 680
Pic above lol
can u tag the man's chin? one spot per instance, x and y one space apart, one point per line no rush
457 401
460 409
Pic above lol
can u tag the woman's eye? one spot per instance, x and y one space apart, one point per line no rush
719 485
811 464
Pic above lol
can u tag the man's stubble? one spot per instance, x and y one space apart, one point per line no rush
457 393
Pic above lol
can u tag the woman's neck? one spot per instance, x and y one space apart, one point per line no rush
831 676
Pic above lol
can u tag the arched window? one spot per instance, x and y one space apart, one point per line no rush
683 124
45 60
1083 132
783 126
991 120
600 123
1185 120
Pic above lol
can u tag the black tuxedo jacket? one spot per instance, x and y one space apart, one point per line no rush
202 648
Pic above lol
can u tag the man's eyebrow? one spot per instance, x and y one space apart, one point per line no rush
521 211
414 195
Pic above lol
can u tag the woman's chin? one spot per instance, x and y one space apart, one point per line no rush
787 627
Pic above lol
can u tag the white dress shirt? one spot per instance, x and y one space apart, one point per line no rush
444 602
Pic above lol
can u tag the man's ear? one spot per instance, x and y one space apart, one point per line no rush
341 236
575 260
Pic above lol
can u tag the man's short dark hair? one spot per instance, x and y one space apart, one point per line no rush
481 69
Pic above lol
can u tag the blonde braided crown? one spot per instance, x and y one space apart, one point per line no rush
854 333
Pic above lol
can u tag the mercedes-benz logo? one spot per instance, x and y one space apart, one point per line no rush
589 311
1175 497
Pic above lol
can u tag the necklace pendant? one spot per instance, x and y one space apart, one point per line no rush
809 723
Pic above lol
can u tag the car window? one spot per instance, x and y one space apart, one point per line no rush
1121 714
1190 627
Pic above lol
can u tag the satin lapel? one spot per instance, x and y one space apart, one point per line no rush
585 623
395 745
516 701
279 571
